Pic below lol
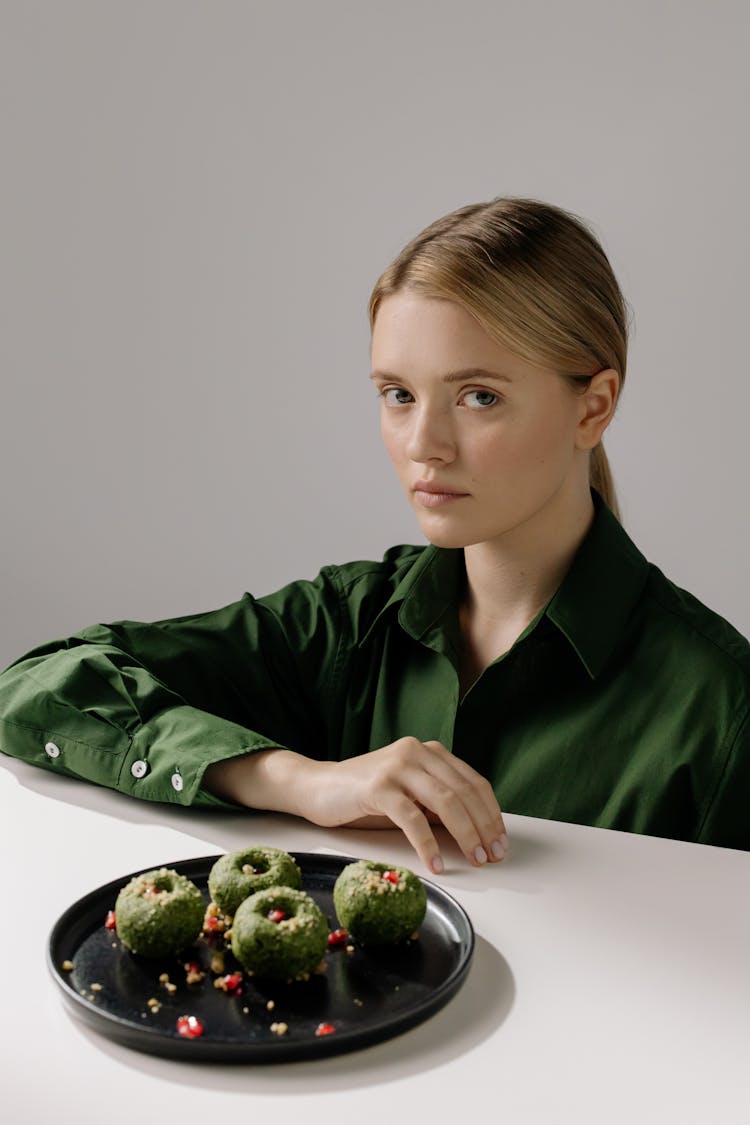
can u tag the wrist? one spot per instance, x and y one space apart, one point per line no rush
274 779
287 782
303 780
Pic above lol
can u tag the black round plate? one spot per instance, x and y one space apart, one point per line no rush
398 986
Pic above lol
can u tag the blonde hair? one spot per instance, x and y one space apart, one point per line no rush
537 280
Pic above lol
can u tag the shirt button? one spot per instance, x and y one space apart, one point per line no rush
139 768
52 750
176 782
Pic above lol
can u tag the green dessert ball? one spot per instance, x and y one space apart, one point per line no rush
158 913
280 933
237 875
379 903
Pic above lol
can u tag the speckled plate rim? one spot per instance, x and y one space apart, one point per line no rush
83 917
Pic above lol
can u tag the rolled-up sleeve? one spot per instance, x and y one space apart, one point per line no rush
145 707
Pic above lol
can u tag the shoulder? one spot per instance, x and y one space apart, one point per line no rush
355 591
382 575
701 632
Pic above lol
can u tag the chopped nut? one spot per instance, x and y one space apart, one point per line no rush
350 949
95 987
271 1004
67 966
279 1028
214 923
358 1002
217 962
164 978
170 987
193 972
322 967
245 1010
414 936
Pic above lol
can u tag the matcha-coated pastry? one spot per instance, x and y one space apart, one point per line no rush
280 933
158 913
379 903
239 874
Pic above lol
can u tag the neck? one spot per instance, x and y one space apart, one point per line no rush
510 578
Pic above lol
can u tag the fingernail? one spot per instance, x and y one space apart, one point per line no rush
437 865
497 849
480 855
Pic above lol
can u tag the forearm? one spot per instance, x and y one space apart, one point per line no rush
277 780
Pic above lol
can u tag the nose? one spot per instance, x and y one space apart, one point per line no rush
431 436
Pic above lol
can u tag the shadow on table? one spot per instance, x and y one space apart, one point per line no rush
468 1020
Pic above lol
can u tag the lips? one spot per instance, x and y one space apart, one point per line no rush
435 494
438 488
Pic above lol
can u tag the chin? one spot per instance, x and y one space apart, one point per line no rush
447 536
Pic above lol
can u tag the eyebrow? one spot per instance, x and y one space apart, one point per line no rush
453 376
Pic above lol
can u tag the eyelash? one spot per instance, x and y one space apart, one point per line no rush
479 410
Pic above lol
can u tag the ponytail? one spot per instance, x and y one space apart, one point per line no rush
600 478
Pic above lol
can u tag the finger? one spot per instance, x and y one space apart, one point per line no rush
485 810
484 789
452 800
414 825
432 817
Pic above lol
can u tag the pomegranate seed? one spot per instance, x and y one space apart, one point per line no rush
211 924
337 937
192 967
110 921
232 981
276 915
324 1029
189 1026
391 876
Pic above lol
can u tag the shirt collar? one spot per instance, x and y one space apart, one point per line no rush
590 608
600 590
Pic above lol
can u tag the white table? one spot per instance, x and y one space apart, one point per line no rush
610 981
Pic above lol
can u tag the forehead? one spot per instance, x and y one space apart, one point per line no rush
414 335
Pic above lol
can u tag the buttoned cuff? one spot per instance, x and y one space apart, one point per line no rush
168 755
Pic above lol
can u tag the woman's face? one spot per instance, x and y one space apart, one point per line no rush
508 445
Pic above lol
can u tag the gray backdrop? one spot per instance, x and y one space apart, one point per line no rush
196 201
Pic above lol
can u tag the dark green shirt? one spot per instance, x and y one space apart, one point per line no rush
624 704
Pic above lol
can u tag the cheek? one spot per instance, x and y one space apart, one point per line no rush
391 439
537 444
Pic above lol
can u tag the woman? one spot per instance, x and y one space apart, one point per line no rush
528 657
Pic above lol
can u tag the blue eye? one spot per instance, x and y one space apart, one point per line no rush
483 405
394 390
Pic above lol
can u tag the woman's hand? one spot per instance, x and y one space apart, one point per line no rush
410 785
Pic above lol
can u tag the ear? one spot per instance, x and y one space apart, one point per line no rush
597 407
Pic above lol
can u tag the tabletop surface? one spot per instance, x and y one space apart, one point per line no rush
610 980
